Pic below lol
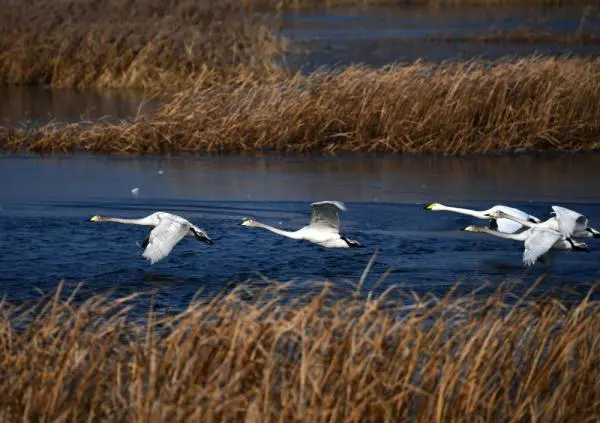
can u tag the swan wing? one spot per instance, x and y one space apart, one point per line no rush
538 243
569 221
505 225
163 238
519 214
325 214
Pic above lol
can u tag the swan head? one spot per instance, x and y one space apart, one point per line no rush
96 219
249 222
433 206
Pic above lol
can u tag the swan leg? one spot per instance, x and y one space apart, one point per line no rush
547 258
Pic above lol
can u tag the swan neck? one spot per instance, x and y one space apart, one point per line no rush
460 210
143 221
517 237
281 232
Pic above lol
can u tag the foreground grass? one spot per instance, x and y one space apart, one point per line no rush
249 356
539 104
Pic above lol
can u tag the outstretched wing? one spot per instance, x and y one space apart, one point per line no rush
163 238
539 242
569 221
325 214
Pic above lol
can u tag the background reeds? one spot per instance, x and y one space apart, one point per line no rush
135 43
247 355
535 104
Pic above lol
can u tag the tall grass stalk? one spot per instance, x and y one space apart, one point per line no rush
250 355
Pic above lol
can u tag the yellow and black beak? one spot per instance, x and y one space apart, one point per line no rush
93 219
429 206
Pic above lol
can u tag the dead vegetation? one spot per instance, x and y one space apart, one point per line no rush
536 104
213 63
248 356
135 43
168 45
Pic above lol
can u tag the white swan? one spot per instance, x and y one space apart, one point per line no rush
538 241
502 224
323 228
568 222
168 230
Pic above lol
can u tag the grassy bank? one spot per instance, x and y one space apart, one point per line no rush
531 104
249 357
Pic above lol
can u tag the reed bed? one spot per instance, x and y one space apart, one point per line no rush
252 355
164 45
534 104
157 44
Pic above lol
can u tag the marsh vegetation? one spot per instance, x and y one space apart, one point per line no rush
252 355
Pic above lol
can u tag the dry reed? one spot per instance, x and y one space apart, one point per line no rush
251 356
535 104
135 43
159 44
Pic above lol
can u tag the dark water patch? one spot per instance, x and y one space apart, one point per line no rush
378 36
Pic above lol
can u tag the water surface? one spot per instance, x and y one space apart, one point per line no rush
32 106
377 36
44 236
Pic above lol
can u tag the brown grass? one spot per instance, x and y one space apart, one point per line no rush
249 356
154 43
131 43
541 104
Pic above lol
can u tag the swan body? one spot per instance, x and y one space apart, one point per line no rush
538 241
168 230
568 222
322 230
503 224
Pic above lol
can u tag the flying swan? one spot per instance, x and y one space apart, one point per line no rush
168 230
538 241
500 224
323 228
566 221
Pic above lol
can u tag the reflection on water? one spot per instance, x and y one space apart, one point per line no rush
44 236
381 35
37 105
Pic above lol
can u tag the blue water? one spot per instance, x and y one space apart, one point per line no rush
45 238
377 36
